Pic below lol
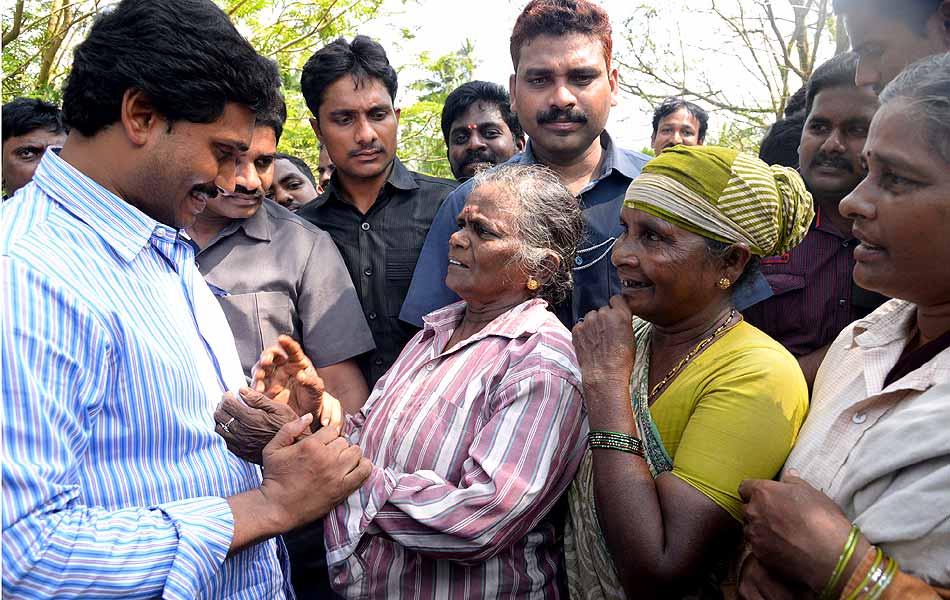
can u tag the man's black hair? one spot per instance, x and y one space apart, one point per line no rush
23 115
274 116
838 71
468 94
914 13
184 55
780 144
362 59
673 104
301 165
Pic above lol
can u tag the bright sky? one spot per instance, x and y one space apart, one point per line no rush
441 26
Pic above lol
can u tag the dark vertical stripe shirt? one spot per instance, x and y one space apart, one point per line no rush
815 296
380 249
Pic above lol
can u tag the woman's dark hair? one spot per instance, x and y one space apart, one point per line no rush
23 115
298 162
362 59
468 94
673 104
184 55
549 219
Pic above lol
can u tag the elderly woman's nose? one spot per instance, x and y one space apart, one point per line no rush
458 239
624 254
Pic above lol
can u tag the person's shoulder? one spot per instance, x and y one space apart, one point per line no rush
423 180
634 158
28 227
549 345
753 344
290 222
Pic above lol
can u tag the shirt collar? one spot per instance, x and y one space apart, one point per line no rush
615 159
399 177
520 321
125 228
890 323
257 226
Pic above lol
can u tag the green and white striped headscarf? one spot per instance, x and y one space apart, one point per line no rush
722 194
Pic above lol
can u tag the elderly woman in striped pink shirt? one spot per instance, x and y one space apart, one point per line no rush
478 428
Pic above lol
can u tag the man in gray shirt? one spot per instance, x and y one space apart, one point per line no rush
275 273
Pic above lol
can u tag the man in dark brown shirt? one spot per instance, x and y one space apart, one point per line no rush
815 296
377 211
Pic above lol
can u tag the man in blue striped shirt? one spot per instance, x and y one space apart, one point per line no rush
114 350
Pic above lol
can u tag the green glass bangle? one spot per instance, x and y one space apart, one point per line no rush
843 559
613 440
887 574
878 557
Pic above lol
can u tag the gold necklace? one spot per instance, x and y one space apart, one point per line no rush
679 366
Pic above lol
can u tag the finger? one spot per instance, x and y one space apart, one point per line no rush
339 444
747 488
336 418
350 458
288 433
618 303
355 478
325 435
294 352
791 476
254 398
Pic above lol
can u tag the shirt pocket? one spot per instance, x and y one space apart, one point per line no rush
400 263
256 319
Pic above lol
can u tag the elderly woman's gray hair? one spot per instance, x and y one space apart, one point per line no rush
549 220
925 87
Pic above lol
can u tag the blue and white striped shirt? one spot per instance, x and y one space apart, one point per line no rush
114 356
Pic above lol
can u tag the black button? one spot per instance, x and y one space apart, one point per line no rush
371 316
364 226
378 362
368 271
842 302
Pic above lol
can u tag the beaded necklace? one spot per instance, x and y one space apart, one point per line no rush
683 361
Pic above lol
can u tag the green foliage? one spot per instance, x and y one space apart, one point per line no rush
421 145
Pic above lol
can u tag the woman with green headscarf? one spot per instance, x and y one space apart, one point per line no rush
690 400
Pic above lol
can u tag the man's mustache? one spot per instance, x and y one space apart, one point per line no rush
560 115
479 156
832 160
376 147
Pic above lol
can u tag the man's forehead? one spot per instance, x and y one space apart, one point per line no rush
561 53
680 115
348 94
843 102
36 137
478 113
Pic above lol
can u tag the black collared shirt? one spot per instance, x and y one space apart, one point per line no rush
380 250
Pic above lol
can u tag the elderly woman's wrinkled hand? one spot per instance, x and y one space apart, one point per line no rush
794 529
286 375
248 424
756 582
605 345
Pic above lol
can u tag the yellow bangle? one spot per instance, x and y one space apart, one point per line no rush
878 557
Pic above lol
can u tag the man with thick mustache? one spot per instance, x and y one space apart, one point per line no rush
274 273
815 297
562 91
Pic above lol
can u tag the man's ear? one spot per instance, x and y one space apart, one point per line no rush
397 112
520 144
138 117
315 125
512 92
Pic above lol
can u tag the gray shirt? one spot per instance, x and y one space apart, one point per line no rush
276 273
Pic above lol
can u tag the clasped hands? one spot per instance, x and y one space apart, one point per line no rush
284 386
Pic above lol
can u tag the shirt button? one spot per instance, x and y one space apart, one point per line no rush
859 418
364 226
845 244
842 302
371 316
430 366
578 260
378 362
197 266
368 271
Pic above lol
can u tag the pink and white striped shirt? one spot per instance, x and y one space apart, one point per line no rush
472 446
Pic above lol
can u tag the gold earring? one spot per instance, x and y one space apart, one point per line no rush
724 283
533 284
